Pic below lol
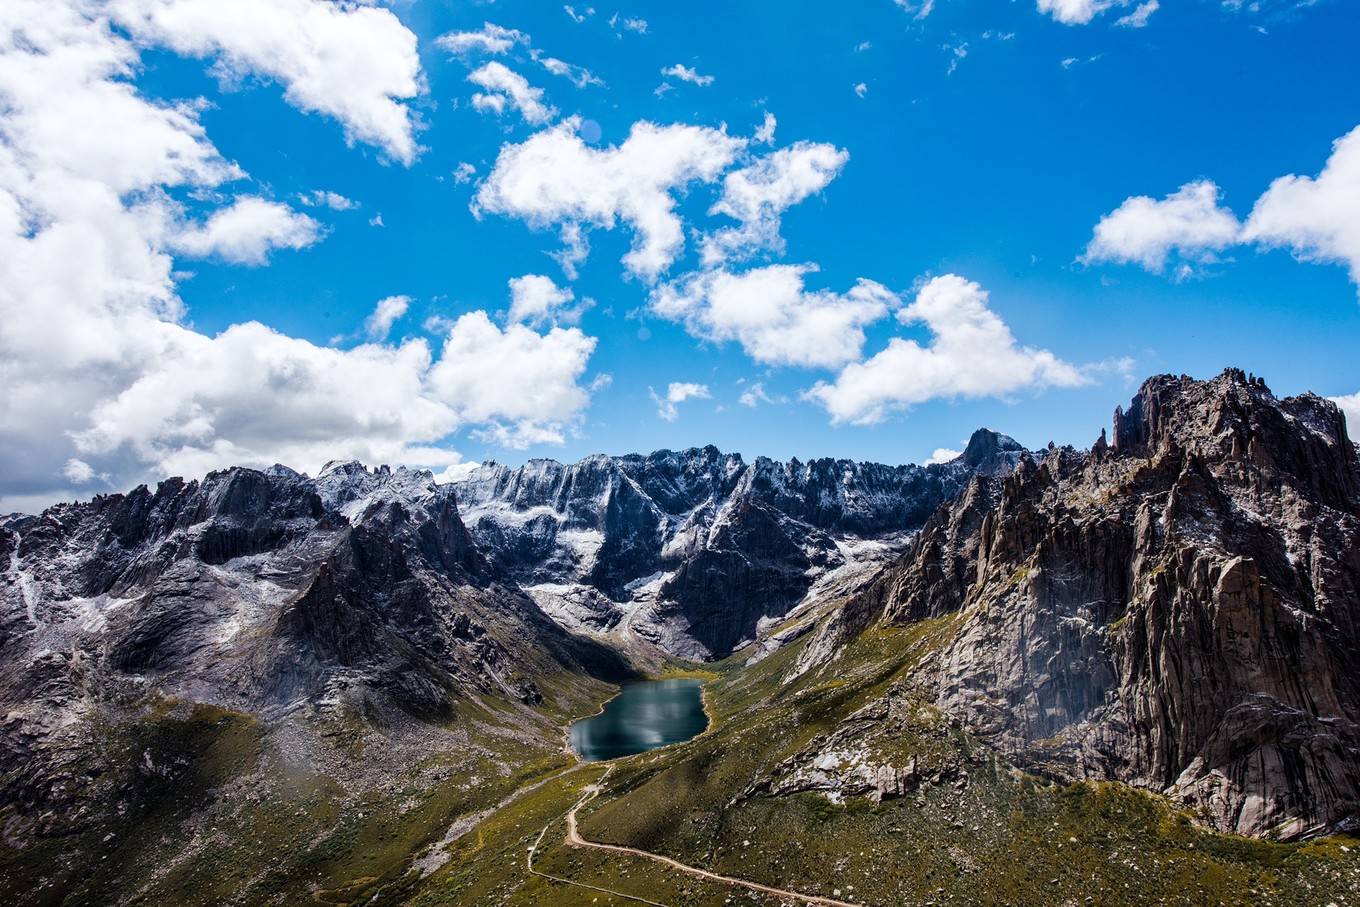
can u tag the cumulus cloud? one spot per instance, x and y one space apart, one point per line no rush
505 86
490 39
536 299
943 455
971 354
78 472
554 179
758 195
353 62
252 396
1079 12
385 314
668 406
860 89
97 362
1146 231
1317 218
464 172
523 384
771 313
246 232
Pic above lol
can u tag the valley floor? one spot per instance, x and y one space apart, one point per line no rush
974 832
493 810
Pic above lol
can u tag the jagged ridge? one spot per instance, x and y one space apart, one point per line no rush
1179 609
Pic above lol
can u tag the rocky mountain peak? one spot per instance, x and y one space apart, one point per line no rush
988 450
1235 419
1179 610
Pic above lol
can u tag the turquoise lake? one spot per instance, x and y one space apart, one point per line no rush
646 715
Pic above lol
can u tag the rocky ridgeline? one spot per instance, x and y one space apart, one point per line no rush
260 591
695 550
1178 609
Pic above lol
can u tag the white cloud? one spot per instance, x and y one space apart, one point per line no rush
1140 15
78 472
758 195
1069 62
96 361
668 407
555 179
764 134
918 9
1078 12
577 75
76 140
1318 218
376 220
489 103
536 299
252 396
632 24
755 395
354 62
324 198
504 84
522 384
246 232
957 53
942 455
580 17
1189 222
385 314
1350 408
773 316
687 74
496 40
491 39
971 354
860 90
464 172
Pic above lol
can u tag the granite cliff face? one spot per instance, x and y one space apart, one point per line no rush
695 551
1178 609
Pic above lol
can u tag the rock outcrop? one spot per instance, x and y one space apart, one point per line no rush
1178 609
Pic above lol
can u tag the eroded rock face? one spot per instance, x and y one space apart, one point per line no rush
264 592
695 549
1177 609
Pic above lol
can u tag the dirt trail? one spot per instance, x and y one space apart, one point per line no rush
574 839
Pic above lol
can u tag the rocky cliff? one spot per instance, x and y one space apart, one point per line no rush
1178 608
696 550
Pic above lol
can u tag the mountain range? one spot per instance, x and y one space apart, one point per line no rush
265 687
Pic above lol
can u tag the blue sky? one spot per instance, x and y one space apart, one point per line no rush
979 145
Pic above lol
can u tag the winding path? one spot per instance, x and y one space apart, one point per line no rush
574 839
